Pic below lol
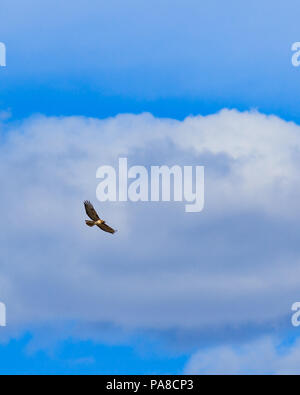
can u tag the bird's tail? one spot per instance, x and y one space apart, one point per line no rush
90 223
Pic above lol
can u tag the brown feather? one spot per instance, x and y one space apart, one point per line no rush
107 228
90 211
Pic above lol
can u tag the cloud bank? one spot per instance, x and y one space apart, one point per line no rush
234 265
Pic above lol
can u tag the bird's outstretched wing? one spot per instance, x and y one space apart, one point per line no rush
90 211
107 228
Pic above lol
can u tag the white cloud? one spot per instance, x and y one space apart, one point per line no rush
263 356
234 264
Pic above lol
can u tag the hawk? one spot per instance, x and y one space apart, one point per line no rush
92 213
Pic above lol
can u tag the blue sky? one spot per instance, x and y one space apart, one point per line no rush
171 59
180 293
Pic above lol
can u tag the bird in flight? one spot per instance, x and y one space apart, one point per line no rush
92 213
